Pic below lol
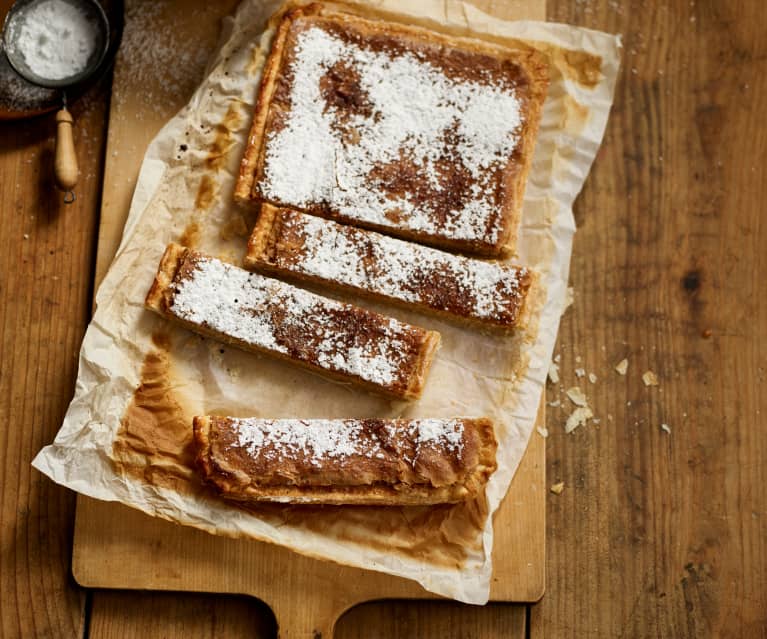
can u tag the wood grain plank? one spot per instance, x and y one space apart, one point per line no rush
46 254
664 534
125 614
432 620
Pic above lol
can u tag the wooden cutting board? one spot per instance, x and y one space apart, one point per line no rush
160 62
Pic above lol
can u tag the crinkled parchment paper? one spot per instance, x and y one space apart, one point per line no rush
127 433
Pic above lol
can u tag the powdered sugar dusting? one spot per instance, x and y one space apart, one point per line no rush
320 440
401 270
56 39
414 113
277 317
440 433
163 62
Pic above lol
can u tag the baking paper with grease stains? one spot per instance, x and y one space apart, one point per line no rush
127 433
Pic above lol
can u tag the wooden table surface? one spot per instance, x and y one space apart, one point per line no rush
656 533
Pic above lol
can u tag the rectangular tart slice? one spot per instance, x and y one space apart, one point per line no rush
395 128
267 316
346 461
315 250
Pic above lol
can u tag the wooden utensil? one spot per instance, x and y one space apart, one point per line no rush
66 170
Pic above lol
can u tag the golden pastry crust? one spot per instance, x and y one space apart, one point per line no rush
352 461
263 315
489 225
288 243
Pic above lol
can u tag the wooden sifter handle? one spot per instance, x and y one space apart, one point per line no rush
65 163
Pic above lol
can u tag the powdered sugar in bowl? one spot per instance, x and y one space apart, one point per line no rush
55 43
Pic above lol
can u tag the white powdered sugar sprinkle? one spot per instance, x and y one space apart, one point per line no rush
403 270
413 108
56 38
320 440
277 317
438 432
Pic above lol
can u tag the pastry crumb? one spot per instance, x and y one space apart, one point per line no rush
555 404
578 417
665 428
592 378
554 373
622 366
577 396
557 488
649 378
543 431
580 372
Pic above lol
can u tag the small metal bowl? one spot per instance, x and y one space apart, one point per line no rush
11 29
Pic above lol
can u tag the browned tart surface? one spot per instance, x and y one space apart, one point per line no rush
266 315
319 250
399 129
355 460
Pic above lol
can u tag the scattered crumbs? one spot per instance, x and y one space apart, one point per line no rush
578 417
596 420
578 358
592 378
557 358
580 372
554 373
577 396
26 236
543 431
649 378
628 403
706 333
622 366
665 428
569 298
555 404
557 488
609 417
